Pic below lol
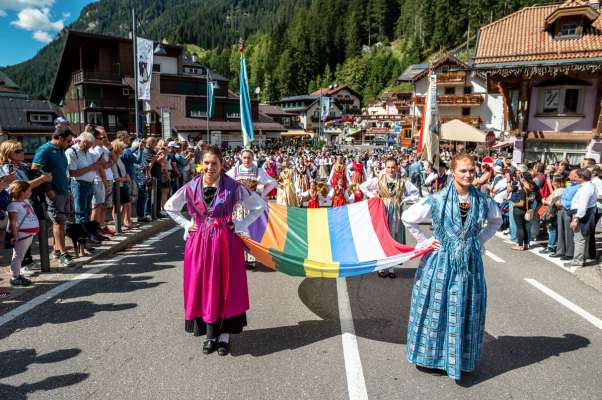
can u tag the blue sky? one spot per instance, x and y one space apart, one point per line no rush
27 25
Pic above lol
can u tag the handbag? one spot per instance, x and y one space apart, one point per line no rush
528 212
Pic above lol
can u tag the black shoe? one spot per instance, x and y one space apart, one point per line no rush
392 275
209 346
382 274
20 281
545 251
250 265
161 216
556 255
565 258
223 348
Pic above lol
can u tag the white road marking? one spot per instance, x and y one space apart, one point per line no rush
356 384
52 293
595 321
494 257
535 251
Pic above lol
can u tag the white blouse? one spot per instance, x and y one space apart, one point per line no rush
247 200
421 212
370 189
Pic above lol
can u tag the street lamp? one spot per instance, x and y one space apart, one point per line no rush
257 92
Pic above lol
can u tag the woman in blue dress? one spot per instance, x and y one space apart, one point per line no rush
449 297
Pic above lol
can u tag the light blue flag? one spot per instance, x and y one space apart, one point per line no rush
210 99
245 104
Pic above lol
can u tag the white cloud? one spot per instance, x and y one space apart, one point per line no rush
18 5
42 36
2 13
32 19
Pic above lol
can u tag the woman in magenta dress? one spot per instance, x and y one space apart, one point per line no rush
216 295
271 169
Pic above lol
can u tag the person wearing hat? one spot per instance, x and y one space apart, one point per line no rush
61 122
50 158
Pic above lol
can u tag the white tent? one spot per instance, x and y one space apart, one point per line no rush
458 131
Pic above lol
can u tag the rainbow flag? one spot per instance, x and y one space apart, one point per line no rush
327 242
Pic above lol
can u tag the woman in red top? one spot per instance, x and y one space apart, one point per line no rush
358 195
312 196
338 194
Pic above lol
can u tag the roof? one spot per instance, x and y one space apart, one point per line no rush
447 58
303 97
13 114
521 37
570 8
411 71
329 91
182 123
271 110
7 83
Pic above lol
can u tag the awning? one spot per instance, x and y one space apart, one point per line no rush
458 131
500 145
296 134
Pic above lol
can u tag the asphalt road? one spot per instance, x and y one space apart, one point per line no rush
118 334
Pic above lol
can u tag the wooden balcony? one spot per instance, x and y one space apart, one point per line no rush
402 103
470 120
107 103
468 100
83 76
452 78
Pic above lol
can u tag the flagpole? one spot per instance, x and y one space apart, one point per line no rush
135 48
207 96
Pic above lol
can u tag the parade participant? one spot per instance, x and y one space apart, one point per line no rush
358 171
322 161
312 196
357 193
338 194
271 169
302 175
286 187
338 171
445 332
395 191
247 173
216 296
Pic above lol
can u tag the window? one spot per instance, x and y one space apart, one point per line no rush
465 111
31 143
407 133
568 29
197 108
156 67
561 100
232 110
95 118
467 89
450 90
571 100
43 118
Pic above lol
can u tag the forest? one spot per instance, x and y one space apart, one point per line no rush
292 46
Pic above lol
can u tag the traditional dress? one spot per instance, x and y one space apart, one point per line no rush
338 171
395 192
302 178
358 172
358 196
313 198
286 189
323 169
216 296
254 178
447 313
271 169
339 196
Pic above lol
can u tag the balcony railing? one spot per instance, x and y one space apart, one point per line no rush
470 120
107 103
452 100
81 76
457 77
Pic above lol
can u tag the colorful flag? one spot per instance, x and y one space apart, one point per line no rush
144 63
327 242
210 97
245 103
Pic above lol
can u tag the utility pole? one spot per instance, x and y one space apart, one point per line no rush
135 47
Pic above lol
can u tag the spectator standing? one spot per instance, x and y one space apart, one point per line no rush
416 174
583 215
566 246
523 201
83 167
596 173
551 214
103 183
23 225
50 158
153 171
124 181
175 177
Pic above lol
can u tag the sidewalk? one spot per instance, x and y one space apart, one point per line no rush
57 274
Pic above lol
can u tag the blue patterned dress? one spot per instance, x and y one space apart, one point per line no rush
449 297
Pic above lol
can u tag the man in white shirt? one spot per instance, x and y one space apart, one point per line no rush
83 165
103 183
583 215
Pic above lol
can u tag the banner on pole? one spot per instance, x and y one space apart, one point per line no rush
324 108
245 103
144 63
210 99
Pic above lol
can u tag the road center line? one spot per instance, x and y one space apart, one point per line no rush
494 257
595 321
52 293
356 384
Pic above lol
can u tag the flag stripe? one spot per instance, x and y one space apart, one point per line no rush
367 244
343 247
389 246
296 239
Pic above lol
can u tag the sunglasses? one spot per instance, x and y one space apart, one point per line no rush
18 151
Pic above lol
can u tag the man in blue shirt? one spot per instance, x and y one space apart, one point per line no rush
416 174
566 244
50 157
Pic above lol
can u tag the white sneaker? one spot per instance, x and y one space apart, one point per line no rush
26 271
